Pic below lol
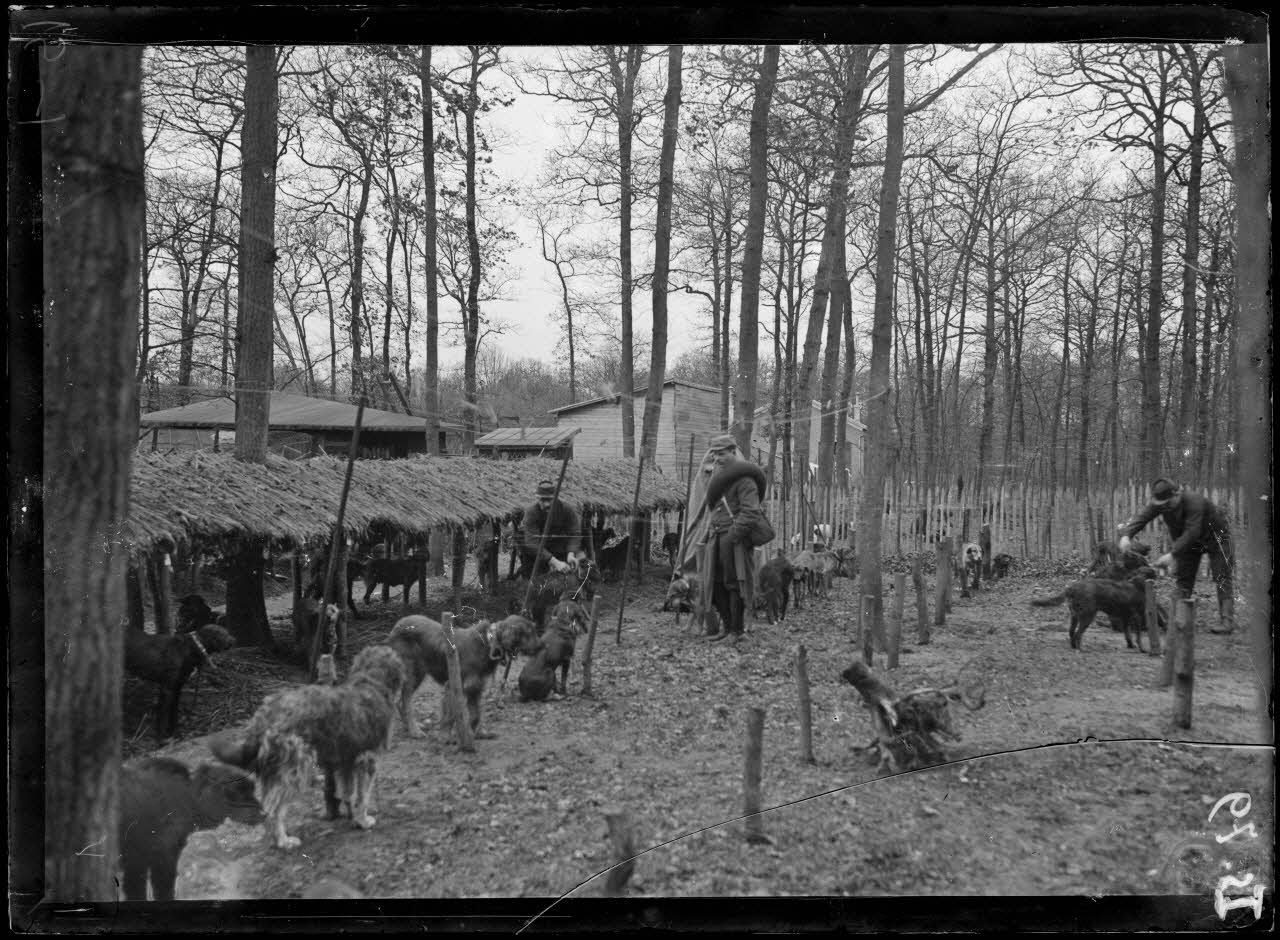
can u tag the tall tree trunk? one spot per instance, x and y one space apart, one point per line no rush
726 307
837 196
843 455
990 350
753 252
624 77
357 279
1190 267
431 376
471 326
662 255
871 513
1152 414
93 220
831 362
1247 85
246 607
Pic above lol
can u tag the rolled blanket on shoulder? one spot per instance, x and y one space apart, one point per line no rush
731 473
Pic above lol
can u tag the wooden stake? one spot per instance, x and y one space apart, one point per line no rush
1184 664
922 602
622 839
895 623
943 582
868 629
751 775
1151 613
806 710
591 644
455 705
626 570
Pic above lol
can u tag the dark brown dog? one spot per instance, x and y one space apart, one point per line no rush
395 572
538 678
1001 565
194 612
774 591
1123 601
1110 562
161 804
168 661
423 645
340 727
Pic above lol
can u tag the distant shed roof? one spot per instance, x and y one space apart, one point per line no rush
531 438
616 396
288 412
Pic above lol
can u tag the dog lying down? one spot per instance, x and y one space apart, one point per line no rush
423 646
340 727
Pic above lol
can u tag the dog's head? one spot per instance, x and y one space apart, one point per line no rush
511 635
972 552
225 792
193 612
379 665
571 615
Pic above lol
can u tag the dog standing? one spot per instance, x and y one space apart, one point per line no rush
168 660
161 804
682 594
340 727
1123 601
774 590
393 572
423 645
1001 565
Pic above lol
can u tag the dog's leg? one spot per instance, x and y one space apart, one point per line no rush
332 797
362 777
282 838
411 729
473 711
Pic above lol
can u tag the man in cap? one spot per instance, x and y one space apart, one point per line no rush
1197 527
559 552
733 500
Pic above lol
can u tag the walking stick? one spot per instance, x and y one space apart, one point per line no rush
626 571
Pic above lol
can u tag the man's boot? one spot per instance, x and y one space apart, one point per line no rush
1226 615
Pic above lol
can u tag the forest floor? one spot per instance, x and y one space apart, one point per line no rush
1070 781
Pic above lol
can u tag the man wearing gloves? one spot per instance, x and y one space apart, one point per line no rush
1197 527
559 552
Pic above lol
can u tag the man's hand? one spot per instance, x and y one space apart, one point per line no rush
1124 543
571 559
1164 561
558 566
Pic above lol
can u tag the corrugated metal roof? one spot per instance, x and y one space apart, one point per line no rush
288 411
534 438
637 391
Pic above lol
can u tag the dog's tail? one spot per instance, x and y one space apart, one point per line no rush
1049 601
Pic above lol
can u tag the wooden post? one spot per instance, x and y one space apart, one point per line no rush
164 575
868 629
336 540
1184 664
895 622
622 840
922 602
806 710
455 705
591 644
1101 535
133 596
1152 617
707 621
751 774
943 582
984 543
626 569
1165 677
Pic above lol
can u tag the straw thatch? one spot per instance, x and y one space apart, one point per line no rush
212 498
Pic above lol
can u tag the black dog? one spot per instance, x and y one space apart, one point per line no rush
612 559
774 591
1000 566
1123 601
194 612
161 804
169 661
394 572
538 678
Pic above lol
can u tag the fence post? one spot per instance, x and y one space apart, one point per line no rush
1152 614
868 629
622 840
943 582
591 643
922 602
895 623
806 709
1184 665
457 706
751 774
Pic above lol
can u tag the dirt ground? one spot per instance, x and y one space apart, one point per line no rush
1070 781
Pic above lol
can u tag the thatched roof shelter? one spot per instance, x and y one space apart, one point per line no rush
212 497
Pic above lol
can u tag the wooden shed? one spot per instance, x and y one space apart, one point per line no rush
855 432
517 443
687 409
299 426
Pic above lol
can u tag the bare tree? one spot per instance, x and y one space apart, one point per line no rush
93 219
246 607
